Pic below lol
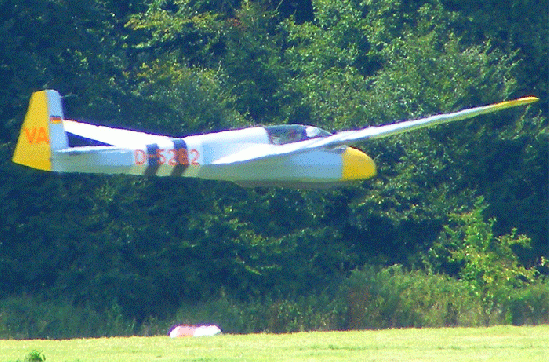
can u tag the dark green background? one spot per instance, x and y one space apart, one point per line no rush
140 252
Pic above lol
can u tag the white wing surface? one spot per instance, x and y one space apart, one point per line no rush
113 136
350 137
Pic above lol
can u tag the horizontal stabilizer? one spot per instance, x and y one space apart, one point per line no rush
113 136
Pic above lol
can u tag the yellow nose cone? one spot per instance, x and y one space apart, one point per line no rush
356 165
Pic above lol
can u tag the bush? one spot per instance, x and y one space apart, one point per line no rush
368 299
35 356
372 299
530 305
393 298
25 317
486 263
314 312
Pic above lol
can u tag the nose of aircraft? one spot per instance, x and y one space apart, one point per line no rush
356 165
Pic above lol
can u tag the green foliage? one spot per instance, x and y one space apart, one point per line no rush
322 311
393 298
386 298
508 28
242 48
173 87
32 318
35 356
529 306
486 262
517 179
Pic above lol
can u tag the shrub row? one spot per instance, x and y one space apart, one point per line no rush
367 299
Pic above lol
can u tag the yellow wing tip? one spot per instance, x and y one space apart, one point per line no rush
528 99
517 102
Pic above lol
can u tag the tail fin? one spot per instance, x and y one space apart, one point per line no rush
42 131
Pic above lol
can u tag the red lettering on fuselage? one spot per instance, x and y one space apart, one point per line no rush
140 157
171 157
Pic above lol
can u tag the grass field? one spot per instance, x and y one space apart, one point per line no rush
452 344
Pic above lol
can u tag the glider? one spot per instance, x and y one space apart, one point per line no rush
286 155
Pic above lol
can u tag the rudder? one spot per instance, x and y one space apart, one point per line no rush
42 131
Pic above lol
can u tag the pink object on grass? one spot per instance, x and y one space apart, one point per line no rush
184 330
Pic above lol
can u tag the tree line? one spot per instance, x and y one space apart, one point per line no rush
453 231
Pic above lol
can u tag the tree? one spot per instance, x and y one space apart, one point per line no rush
485 261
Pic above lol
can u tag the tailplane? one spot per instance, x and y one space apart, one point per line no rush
42 131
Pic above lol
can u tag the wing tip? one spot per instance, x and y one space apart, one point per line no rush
528 99
517 102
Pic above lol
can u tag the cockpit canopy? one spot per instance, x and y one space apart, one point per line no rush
288 133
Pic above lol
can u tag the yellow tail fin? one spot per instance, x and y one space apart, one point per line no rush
42 131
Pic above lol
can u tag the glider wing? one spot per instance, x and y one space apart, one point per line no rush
350 137
406 126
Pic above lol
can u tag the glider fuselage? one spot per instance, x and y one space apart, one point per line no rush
248 156
197 156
